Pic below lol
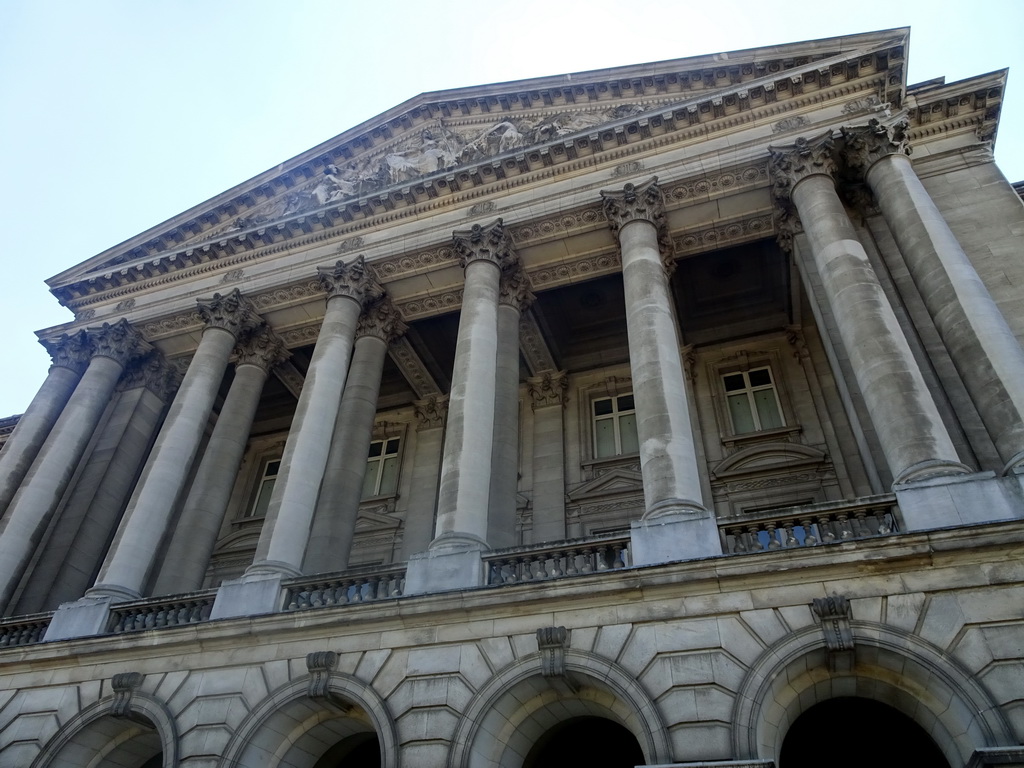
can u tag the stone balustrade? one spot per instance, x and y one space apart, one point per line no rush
174 611
559 560
354 586
23 630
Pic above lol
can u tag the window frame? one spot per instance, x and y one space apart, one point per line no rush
615 416
749 389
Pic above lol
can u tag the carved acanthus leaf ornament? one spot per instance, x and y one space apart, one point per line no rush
353 280
231 312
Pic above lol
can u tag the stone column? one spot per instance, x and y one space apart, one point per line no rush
151 508
983 348
282 545
426 466
514 296
668 458
337 509
195 533
548 395
70 355
910 430
77 545
47 480
461 531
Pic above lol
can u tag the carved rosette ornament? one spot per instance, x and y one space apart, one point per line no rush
550 388
865 145
431 411
484 243
641 202
381 319
124 685
353 280
231 312
71 351
119 341
260 347
514 290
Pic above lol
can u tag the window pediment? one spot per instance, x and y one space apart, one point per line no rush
769 458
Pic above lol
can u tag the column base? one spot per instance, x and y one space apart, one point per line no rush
453 561
115 592
272 568
667 533
932 468
251 595
943 502
86 617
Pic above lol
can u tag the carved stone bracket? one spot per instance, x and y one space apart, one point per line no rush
550 388
641 202
261 347
71 351
353 280
834 614
231 312
120 342
124 686
484 243
553 642
321 665
431 411
689 358
514 289
380 318
865 145
795 336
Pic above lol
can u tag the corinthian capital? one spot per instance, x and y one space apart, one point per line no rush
260 347
635 202
867 144
352 280
514 289
152 372
381 319
793 163
480 243
550 388
231 312
431 411
71 351
120 342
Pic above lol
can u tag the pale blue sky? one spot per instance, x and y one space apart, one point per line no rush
119 115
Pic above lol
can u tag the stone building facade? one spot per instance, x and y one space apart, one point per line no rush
665 415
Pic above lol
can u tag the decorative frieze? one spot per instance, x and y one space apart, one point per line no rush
353 280
118 341
431 411
435 304
261 347
413 263
71 351
412 368
867 144
583 268
550 388
300 337
381 319
717 184
723 235
484 243
231 312
558 226
533 346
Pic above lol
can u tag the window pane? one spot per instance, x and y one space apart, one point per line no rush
760 377
627 434
272 468
739 411
626 403
604 437
370 478
389 476
767 409
263 499
602 406
375 448
392 448
734 381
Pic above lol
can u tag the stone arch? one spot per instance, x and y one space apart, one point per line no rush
892 666
149 727
289 722
518 704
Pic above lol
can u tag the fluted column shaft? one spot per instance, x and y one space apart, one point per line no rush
668 459
913 438
55 465
469 442
152 505
983 348
70 356
282 546
196 531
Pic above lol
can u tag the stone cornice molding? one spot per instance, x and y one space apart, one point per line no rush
514 289
118 341
381 319
69 350
550 388
488 243
352 281
431 411
260 347
866 145
230 312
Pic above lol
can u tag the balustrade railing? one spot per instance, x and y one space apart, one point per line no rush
810 526
172 611
557 560
341 589
23 630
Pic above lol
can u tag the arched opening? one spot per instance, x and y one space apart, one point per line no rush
850 732
586 741
111 741
361 750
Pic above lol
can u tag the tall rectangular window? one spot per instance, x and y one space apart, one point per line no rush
752 400
265 489
381 478
615 426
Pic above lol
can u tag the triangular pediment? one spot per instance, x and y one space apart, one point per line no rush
615 482
443 142
374 519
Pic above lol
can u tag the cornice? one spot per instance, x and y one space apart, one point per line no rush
794 85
